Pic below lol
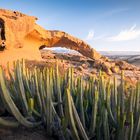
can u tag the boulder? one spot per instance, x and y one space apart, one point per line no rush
106 67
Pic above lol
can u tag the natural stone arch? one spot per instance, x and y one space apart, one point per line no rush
54 38
24 37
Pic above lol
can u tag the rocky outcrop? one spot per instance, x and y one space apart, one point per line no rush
88 67
22 38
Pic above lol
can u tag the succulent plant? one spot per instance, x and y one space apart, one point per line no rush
72 107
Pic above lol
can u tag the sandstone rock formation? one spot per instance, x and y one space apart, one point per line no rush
22 38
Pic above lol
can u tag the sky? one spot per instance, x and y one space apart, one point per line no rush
106 25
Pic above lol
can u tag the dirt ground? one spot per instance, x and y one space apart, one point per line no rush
24 134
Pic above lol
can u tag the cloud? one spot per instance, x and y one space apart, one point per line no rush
111 12
90 35
115 11
126 35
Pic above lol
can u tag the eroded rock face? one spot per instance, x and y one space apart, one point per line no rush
23 38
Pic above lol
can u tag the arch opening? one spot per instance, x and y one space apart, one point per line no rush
58 50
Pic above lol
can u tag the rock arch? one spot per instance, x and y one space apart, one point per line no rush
24 38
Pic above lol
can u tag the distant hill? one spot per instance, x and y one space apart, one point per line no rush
130 57
119 53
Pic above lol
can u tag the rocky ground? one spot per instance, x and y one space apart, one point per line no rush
111 66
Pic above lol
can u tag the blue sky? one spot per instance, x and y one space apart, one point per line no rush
107 25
